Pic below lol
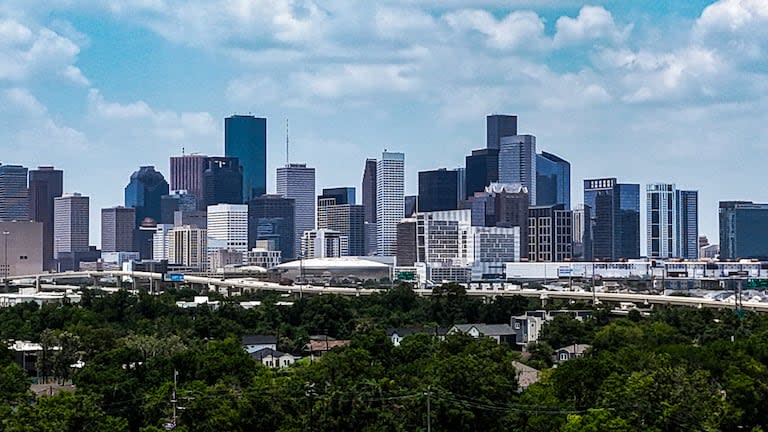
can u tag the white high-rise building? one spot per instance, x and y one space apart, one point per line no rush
188 246
70 223
672 216
296 181
228 226
517 162
324 243
160 243
390 191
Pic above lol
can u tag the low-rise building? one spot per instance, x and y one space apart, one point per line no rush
272 358
570 352
501 333
396 335
253 343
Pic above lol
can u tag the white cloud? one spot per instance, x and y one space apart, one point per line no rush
592 23
518 30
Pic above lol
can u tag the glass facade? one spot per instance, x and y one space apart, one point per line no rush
245 137
144 193
742 230
615 218
14 195
498 126
553 180
223 181
271 217
437 190
340 195
482 169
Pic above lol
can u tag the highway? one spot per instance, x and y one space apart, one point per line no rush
244 283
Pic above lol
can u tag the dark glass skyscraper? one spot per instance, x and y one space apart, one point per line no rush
144 193
14 195
482 169
223 181
369 190
437 190
271 217
615 218
553 180
340 195
498 126
687 202
45 184
245 137
742 230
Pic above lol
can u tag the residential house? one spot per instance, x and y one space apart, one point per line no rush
253 343
318 345
570 352
501 333
272 358
528 326
526 375
396 335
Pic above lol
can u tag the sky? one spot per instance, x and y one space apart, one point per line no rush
644 90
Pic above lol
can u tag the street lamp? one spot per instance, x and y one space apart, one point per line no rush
6 270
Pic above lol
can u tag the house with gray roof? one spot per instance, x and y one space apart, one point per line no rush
501 333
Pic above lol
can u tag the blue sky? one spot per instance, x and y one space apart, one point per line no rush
646 91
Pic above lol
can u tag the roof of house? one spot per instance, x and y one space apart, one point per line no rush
266 352
486 329
321 345
526 375
405 331
259 339
574 348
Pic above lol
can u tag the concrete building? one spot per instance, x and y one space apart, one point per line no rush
550 233
245 137
117 227
335 212
582 234
187 174
517 163
390 190
14 194
45 184
505 206
161 242
672 222
263 257
406 242
195 218
70 223
21 252
176 200
188 246
297 182
324 243
228 223
221 258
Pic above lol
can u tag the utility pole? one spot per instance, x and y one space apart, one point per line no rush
429 410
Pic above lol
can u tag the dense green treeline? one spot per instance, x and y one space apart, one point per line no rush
680 369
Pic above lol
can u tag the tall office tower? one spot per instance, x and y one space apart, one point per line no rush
369 190
223 181
461 184
70 223
228 225
582 233
144 193
517 162
510 202
406 242
336 211
553 180
615 218
410 204
550 233
14 195
687 205
188 247
245 137
370 238
482 169
177 200
296 181
437 190
498 126
194 218
742 230
160 242
21 250
272 218
390 190
45 184
661 218
117 227
187 174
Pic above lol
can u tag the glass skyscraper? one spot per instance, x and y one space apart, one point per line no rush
498 126
481 169
297 181
742 230
553 180
615 218
369 190
14 195
437 190
245 137
390 191
271 218
517 162
672 222
144 193
223 181
45 184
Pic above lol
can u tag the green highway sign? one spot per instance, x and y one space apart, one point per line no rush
406 275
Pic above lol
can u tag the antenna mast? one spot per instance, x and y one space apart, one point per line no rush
286 142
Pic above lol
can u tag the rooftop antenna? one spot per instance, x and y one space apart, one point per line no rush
286 142
182 150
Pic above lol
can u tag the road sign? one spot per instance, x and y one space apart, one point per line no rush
173 277
406 276
757 283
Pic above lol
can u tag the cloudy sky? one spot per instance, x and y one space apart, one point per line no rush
642 90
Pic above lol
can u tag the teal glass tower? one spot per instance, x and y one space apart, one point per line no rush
245 137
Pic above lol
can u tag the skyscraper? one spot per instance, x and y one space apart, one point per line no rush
369 190
687 204
482 169
272 218
117 227
187 174
505 206
498 126
188 246
661 220
144 193
437 190
296 181
553 180
228 226
742 230
390 189
45 184
245 137
223 181
70 223
615 218
550 236
14 195
517 162
176 200
411 204
582 233
334 212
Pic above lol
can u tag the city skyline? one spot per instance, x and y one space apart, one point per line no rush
597 80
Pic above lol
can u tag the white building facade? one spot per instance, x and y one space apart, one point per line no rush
324 243
390 191
70 223
228 226
188 246
160 241
672 222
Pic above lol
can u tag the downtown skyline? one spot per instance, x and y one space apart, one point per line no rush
627 91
